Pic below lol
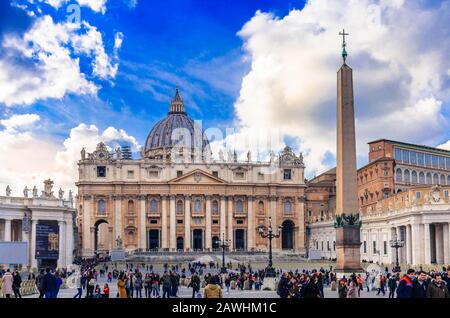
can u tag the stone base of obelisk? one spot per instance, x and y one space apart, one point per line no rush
348 254
270 283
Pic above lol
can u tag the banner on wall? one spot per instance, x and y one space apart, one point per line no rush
47 241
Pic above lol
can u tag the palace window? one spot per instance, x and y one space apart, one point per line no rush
435 179
153 221
179 174
239 222
334 245
153 174
421 159
429 178
287 206
130 174
448 179
428 160
418 195
406 176
239 206
364 247
179 221
385 247
405 156
261 207
215 207
421 178
328 246
180 207
101 172
131 207
413 157
442 180
215 222
398 175
101 209
287 174
215 174
374 247
447 163
441 162
198 206
446 194
153 206
239 175
414 177
398 154
435 161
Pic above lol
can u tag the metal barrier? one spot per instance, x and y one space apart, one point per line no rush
28 288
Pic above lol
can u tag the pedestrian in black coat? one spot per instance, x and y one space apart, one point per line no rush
49 284
420 285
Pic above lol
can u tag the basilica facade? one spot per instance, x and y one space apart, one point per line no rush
175 197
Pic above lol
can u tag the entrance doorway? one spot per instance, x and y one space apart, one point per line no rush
287 235
180 243
198 239
239 239
100 232
153 239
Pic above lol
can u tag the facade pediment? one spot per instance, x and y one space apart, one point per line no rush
197 176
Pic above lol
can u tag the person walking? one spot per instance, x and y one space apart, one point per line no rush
17 282
392 285
39 281
166 284
49 284
353 287
437 288
59 282
213 290
7 284
195 284
382 283
106 291
342 289
79 284
405 285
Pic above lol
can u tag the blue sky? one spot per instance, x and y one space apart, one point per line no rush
190 43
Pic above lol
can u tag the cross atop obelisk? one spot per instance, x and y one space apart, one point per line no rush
344 44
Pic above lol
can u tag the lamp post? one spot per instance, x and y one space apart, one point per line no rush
268 233
223 244
396 243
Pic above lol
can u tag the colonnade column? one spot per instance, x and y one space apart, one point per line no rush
172 225
143 224
164 238
408 244
33 260
446 235
7 230
208 239
427 243
222 216
416 244
187 223
69 241
439 238
62 245
230 222
250 225
299 243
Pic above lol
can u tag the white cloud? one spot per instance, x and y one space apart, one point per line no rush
400 73
44 62
29 156
445 146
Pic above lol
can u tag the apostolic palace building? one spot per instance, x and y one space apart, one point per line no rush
176 198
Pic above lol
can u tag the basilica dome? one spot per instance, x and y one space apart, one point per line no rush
176 131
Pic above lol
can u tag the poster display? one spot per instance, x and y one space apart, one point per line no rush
47 241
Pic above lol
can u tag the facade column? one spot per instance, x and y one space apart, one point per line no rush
446 241
273 215
439 237
172 225
117 217
33 260
208 238
299 242
62 245
8 230
69 241
187 223
408 245
164 237
222 217
416 244
250 225
230 222
87 212
143 224
427 243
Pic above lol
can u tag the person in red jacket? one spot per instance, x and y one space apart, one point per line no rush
106 291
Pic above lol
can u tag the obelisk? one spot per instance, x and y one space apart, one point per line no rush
348 258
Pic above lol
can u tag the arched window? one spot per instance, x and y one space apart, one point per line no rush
435 179
261 207
215 207
239 206
287 206
180 207
101 208
448 179
398 175
414 177
421 177
429 179
153 206
406 176
442 181
131 207
198 206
